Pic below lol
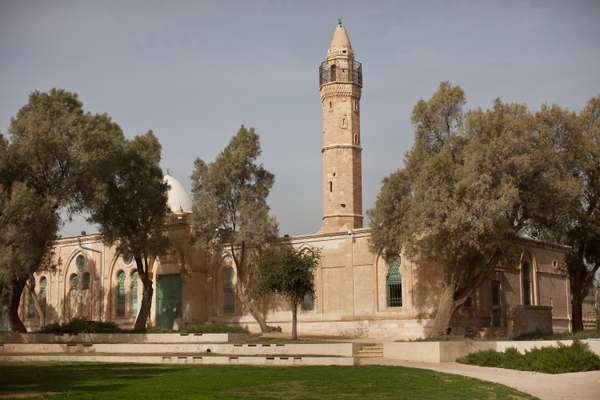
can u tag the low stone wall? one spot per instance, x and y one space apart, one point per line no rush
529 319
433 351
321 349
388 329
451 350
8 337
184 359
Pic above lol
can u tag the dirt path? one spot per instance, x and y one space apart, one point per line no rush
572 386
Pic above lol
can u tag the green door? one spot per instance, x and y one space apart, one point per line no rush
168 300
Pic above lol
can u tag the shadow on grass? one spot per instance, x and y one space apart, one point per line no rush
78 377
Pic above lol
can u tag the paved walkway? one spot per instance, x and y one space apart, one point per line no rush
575 386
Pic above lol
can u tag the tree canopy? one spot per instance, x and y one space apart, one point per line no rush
231 212
129 204
288 272
575 138
472 185
59 160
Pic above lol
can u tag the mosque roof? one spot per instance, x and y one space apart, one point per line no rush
179 200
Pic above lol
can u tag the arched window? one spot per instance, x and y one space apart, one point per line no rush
228 292
86 281
332 73
308 302
43 293
496 304
74 281
526 283
393 284
80 262
120 294
30 305
133 287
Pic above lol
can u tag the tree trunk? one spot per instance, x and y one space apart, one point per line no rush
445 311
16 325
144 313
38 307
258 316
294 320
576 313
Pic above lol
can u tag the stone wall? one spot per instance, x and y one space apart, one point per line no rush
529 319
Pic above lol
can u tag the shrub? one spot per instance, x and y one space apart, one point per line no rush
208 327
82 326
213 327
537 335
554 360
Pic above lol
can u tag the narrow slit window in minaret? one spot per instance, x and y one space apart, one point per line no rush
330 186
332 73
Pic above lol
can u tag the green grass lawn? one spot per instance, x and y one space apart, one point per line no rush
134 381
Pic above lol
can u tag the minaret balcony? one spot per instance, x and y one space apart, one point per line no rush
341 71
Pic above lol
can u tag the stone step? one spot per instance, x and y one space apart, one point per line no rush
371 350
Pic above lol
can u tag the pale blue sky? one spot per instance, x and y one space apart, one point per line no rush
194 71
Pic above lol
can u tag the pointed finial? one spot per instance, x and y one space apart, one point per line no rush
339 21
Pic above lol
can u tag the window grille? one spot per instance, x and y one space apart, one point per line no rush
74 281
394 284
496 304
43 293
86 281
134 293
308 302
30 306
526 282
120 294
229 292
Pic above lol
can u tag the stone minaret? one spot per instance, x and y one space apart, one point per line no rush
340 82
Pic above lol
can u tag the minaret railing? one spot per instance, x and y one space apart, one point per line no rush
338 71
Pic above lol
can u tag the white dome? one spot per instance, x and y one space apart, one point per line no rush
179 200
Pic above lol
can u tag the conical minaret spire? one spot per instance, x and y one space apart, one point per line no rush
340 82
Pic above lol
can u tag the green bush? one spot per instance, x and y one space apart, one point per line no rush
208 327
82 326
554 360
213 327
537 335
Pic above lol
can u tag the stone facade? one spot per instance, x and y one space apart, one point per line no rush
523 320
357 293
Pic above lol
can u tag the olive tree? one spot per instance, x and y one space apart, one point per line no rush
576 140
288 272
231 213
129 204
472 185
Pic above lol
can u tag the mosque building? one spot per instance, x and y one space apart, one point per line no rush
357 293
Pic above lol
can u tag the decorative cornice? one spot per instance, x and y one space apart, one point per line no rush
342 215
340 89
341 146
